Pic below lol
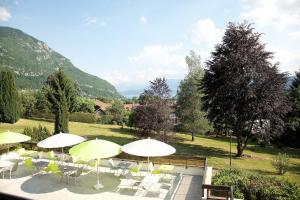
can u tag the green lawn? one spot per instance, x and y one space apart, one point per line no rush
216 149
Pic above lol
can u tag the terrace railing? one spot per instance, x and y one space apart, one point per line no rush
177 159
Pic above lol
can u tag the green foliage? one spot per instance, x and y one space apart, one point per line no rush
10 105
292 120
37 134
281 163
61 94
117 112
153 116
242 88
188 105
83 104
106 119
33 61
250 186
83 117
28 103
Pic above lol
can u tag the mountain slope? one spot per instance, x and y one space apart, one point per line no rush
33 61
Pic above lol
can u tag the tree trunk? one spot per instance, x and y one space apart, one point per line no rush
239 145
193 136
62 119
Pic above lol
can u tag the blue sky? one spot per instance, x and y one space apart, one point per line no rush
131 42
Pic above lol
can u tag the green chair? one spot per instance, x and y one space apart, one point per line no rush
137 169
53 168
29 164
153 170
51 156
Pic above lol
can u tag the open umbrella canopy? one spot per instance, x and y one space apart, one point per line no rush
60 140
148 148
12 137
95 149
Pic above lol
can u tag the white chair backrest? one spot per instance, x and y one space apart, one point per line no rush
151 167
43 155
3 157
13 155
111 162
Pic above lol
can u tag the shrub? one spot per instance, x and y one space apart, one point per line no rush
83 117
37 133
281 163
106 119
250 186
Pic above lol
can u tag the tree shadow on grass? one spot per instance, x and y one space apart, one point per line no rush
118 140
295 169
186 149
272 150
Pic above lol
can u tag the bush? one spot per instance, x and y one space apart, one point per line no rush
251 186
106 119
83 117
281 163
37 133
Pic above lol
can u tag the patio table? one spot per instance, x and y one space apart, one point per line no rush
41 164
5 163
150 182
124 166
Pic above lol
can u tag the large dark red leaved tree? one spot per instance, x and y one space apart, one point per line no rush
243 90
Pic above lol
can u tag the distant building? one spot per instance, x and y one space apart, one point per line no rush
130 106
101 107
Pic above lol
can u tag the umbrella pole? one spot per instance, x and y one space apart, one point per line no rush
63 156
148 165
98 185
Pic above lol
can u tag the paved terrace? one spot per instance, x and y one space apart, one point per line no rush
187 185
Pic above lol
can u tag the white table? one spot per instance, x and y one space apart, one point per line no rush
5 163
150 182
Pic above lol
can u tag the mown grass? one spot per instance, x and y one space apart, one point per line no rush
215 149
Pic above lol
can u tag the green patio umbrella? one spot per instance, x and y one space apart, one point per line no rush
12 138
95 149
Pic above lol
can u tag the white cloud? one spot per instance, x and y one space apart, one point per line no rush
289 60
206 33
4 14
143 19
276 13
295 35
153 61
91 20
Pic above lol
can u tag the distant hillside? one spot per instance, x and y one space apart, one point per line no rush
33 61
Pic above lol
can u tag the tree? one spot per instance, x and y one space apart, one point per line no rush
83 104
28 103
117 112
153 115
242 89
10 105
292 120
188 104
61 93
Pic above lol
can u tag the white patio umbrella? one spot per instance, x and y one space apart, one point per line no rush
148 148
60 140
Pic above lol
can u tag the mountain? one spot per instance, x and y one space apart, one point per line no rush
136 90
33 61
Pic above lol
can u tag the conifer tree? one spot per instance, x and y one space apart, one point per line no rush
61 93
10 105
